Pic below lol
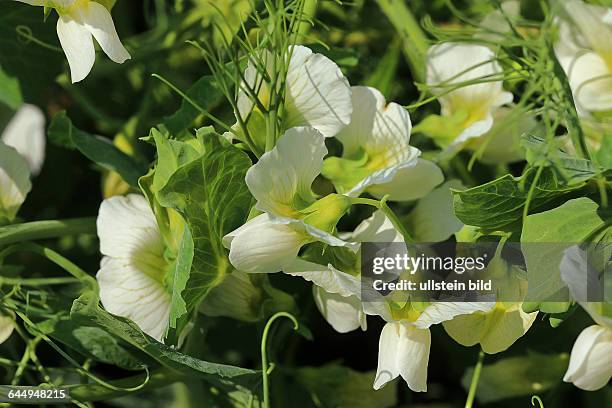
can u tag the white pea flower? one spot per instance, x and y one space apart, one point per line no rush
377 157
132 271
504 322
584 51
26 134
590 366
405 340
14 182
79 22
6 327
281 183
337 294
317 94
469 109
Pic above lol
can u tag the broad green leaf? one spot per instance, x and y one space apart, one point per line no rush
338 386
180 277
569 168
86 312
497 204
105 347
204 94
518 376
10 92
544 237
96 148
211 195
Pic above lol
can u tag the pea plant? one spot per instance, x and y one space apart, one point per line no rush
188 187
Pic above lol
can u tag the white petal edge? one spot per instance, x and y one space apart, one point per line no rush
14 180
6 328
26 133
127 228
410 183
77 43
378 127
590 366
326 277
129 292
286 173
403 351
439 312
344 314
98 21
318 94
262 246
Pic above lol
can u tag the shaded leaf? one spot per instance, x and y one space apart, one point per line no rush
211 195
543 240
518 376
500 202
96 148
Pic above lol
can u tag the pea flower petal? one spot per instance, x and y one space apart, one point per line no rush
78 24
26 134
317 93
585 53
282 178
403 350
377 156
6 328
14 181
590 366
133 267
451 64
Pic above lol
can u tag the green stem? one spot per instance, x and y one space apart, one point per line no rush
474 383
96 392
36 281
46 229
413 39
264 354
54 257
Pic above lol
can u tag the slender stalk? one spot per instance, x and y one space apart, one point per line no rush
34 282
474 383
52 256
413 39
264 354
29 231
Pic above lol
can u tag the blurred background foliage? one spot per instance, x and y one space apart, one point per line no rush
122 103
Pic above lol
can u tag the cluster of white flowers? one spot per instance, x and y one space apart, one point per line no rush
377 159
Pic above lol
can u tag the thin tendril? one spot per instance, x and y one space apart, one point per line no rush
265 372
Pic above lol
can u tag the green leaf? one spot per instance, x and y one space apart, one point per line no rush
205 94
571 169
604 155
96 148
497 204
86 312
567 225
10 92
336 386
180 276
211 195
518 376
92 342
